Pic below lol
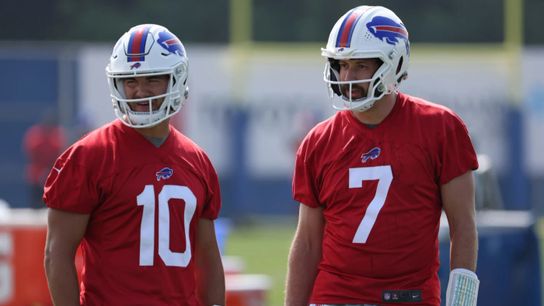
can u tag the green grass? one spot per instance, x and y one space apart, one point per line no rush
263 247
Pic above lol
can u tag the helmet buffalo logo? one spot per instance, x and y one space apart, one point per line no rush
135 66
170 43
385 28
372 154
165 173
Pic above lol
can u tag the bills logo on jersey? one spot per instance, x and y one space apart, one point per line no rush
372 154
165 173
386 29
170 43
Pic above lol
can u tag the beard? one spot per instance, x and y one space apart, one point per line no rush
357 91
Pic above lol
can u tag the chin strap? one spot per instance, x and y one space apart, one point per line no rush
462 288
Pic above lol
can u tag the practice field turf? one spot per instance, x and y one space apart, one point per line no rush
263 247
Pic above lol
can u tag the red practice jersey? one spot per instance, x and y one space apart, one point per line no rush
144 204
380 192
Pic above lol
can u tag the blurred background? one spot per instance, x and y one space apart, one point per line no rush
256 88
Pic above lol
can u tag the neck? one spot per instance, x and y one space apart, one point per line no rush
160 130
379 111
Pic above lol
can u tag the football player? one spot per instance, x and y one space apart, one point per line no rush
374 179
137 195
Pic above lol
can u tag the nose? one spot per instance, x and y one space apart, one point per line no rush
140 90
349 74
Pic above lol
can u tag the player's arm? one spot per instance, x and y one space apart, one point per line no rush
209 275
458 203
64 233
304 256
459 206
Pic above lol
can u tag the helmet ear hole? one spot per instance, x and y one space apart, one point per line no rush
399 66
404 76
381 88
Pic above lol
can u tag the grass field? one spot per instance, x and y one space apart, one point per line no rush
263 247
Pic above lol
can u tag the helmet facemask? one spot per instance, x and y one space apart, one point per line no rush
172 101
342 99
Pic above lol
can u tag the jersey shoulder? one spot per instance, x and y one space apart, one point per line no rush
101 136
185 143
94 148
429 115
189 150
322 132
425 108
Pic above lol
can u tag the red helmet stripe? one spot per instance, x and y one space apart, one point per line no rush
393 29
348 25
136 44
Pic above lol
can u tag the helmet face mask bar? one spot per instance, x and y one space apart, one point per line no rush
144 51
375 89
366 32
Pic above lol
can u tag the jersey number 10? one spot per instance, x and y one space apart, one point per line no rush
147 228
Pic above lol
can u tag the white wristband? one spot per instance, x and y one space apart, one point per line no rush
462 288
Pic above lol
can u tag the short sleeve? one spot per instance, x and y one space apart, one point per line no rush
304 186
457 151
212 206
70 185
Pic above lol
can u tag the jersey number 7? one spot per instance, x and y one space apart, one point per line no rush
384 175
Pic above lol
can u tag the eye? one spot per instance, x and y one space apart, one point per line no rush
362 66
130 82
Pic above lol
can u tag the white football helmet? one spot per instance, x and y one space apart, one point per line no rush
147 50
367 32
